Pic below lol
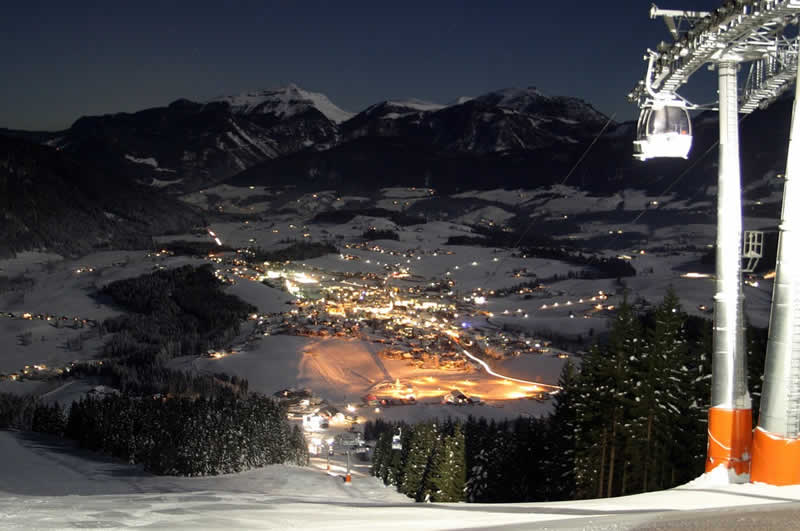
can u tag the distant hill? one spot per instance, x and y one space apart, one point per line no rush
51 200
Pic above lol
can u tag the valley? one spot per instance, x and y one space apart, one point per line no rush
398 323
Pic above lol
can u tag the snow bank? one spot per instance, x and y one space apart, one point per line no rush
719 476
50 484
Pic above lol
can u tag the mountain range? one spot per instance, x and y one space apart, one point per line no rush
190 145
121 171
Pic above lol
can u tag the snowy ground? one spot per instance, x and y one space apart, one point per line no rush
66 288
344 370
265 298
49 484
565 308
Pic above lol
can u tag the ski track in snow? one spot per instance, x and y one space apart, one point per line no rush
51 484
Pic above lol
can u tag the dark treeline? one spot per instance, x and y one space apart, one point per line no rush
28 413
189 437
375 234
170 421
600 266
174 436
527 285
188 300
298 250
476 460
158 379
17 283
194 248
538 246
632 419
337 217
171 313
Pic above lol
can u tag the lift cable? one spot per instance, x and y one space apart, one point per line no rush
586 152
682 175
571 171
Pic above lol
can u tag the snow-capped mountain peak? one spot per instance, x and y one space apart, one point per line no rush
284 102
398 108
459 100
514 98
533 101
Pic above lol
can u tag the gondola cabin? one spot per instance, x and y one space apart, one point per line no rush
664 130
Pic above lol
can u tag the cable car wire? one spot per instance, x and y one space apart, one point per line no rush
569 174
682 175
586 152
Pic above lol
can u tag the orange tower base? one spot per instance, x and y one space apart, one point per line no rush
776 459
730 436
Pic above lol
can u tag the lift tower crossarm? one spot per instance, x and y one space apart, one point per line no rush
770 76
656 12
737 31
671 14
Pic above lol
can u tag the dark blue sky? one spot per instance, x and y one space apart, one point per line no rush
62 60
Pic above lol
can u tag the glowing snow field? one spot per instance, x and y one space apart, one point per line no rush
48 484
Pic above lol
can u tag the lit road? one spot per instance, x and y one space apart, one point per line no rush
493 373
390 310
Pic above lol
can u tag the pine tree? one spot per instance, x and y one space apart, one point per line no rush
299 447
603 408
477 485
656 396
448 468
693 421
392 472
559 452
381 456
489 478
422 443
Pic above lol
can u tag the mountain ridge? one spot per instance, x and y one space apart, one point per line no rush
509 136
48 199
198 144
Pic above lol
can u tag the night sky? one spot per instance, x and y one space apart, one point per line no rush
62 60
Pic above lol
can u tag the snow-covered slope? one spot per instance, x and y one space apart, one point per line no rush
48 484
532 101
284 102
500 121
416 104
205 142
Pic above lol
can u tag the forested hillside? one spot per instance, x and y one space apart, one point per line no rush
50 199
632 419
170 421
